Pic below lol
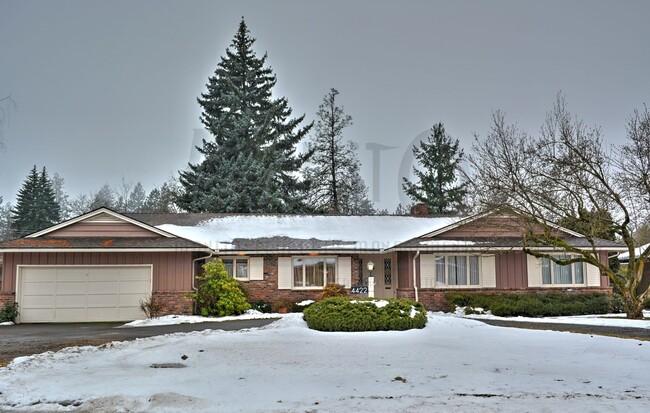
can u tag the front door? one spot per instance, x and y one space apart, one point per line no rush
383 272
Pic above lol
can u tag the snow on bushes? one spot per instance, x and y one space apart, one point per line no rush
344 314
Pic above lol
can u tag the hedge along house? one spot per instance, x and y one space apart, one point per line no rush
99 265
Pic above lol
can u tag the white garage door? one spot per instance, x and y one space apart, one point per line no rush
78 294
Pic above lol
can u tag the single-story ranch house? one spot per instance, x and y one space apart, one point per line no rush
100 265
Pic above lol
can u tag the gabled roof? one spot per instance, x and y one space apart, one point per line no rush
276 232
158 240
476 217
101 215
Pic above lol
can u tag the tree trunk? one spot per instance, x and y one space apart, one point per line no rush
633 307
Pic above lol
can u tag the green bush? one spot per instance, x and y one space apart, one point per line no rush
345 314
218 293
9 312
334 290
534 305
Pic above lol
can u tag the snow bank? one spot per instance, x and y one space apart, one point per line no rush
192 319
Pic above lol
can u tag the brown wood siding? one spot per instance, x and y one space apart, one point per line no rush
172 271
103 229
511 270
405 269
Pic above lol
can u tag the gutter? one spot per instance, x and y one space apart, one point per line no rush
415 284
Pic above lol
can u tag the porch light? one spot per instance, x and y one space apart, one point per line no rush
370 265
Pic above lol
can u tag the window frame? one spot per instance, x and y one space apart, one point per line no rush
468 270
324 258
234 259
571 267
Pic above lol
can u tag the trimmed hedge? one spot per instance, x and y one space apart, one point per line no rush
346 314
534 305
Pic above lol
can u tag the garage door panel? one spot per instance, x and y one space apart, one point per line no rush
103 287
71 274
37 315
129 313
36 301
36 288
66 294
70 301
39 275
141 274
131 300
103 300
70 288
130 286
106 314
104 274
70 314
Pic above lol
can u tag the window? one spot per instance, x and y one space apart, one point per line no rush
388 273
457 270
556 274
313 272
236 267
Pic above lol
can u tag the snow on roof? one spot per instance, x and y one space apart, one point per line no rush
357 232
637 251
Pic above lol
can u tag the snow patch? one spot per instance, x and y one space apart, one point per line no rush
192 319
7 323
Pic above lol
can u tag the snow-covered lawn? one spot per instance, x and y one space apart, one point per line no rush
454 364
193 319
609 320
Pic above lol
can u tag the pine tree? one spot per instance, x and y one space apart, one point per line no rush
5 221
105 197
438 185
252 164
36 207
336 184
61 196
161 200
137 198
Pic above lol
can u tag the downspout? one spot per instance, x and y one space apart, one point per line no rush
415 284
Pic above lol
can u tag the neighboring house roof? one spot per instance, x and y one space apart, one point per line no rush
637 251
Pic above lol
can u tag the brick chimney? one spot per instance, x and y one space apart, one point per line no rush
419 210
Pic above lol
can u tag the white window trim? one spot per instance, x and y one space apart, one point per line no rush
234 259
324 257
456 286
573 276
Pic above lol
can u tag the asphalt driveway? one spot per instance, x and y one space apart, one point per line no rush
27 339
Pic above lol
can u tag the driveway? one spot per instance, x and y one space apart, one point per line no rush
28 339
621 332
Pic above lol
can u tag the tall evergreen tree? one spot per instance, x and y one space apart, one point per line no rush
252 164
438 185
333 172
36 207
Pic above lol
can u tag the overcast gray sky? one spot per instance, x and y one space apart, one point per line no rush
106 90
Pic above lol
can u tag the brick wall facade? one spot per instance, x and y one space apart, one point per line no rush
173 302
267 290
6 298
434 300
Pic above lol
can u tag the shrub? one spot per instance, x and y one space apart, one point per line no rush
280 306
150 307
218 293
9 312
345 314
534 305
261 306
334 290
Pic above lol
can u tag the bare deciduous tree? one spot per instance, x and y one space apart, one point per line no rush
569 175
